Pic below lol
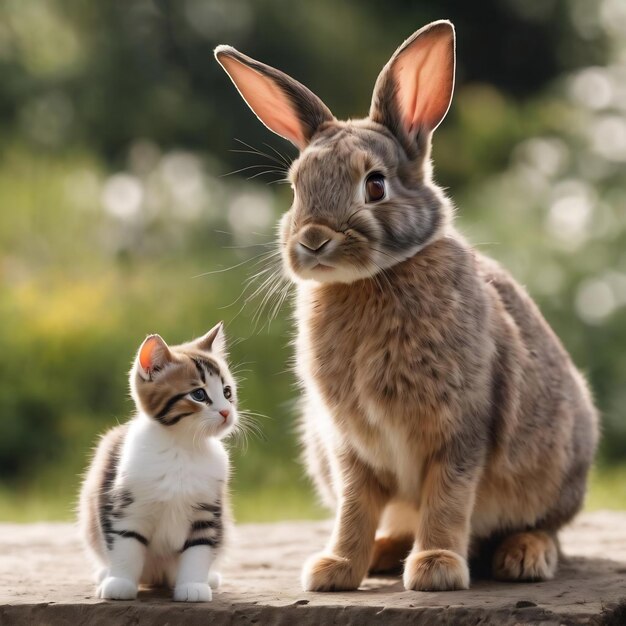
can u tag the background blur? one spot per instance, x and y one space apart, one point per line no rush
123 181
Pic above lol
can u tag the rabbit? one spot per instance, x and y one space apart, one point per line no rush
442 414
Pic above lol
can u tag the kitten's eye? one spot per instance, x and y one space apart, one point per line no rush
199 395
375 187
228 392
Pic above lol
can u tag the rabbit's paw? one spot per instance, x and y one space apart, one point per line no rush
327 572
526 556
192 592
115 588
436 570
389 554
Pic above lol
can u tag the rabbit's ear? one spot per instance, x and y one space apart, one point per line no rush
414 90
280 102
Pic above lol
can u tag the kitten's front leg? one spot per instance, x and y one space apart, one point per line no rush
198 553
126 554
344 563
193 573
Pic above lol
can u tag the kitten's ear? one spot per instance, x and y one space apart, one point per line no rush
283 104
414 90
153 355
214 340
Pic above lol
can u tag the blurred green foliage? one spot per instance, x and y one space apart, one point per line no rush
117 128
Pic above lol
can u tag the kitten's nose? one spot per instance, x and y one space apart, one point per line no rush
224 413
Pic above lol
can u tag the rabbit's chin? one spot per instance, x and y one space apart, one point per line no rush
349 273
327 274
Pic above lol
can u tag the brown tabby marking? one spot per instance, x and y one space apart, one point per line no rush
167 401
97 493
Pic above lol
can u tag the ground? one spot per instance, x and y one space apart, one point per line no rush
46 579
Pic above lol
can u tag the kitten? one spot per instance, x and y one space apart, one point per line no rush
152 506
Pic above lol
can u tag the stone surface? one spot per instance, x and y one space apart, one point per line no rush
46 579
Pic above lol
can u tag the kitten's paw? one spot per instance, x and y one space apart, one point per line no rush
435 570
526 556
327 572
114 588
192 592
215 580
100 575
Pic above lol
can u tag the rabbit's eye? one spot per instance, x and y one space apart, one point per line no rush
375 187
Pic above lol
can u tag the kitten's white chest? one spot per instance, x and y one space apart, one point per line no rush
168 482
189 483
178 476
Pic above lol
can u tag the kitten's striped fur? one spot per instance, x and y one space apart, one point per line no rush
153 504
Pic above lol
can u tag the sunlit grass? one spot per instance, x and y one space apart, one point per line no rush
79 294
289 502
272 504
607 489
284 501
33 506
283 495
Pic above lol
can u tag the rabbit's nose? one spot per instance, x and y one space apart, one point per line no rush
314 238
318 247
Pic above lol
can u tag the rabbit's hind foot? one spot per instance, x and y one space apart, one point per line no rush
526 556
389 554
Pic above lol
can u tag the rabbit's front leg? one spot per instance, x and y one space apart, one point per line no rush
438 560
343 565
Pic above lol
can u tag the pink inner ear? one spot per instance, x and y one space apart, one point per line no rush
266 100
146 354
424 74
